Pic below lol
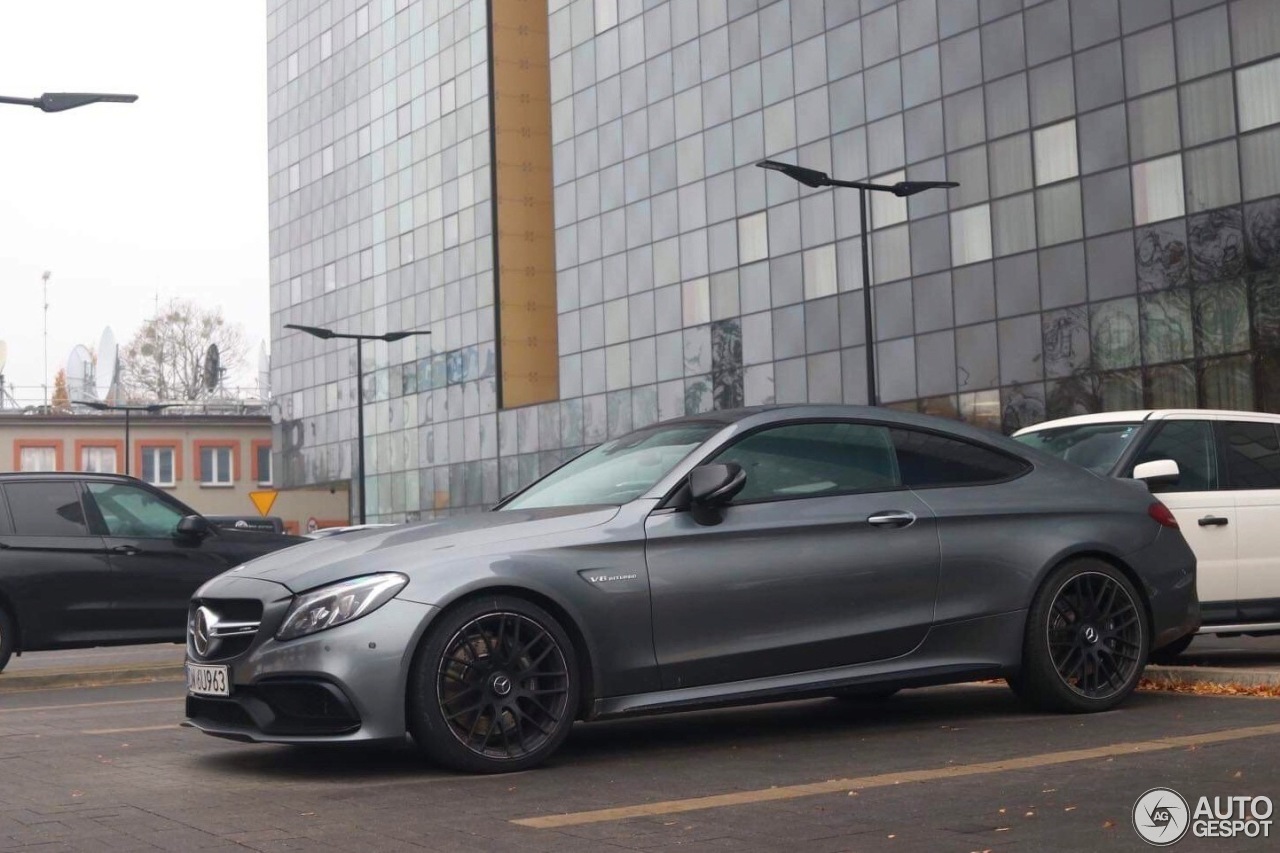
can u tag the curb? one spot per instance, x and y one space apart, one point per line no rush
46 678
1213 675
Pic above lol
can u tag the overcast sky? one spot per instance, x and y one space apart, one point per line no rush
124 202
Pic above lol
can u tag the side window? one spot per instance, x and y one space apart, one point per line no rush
928 459
811 460
1253 455
46 509
132 512
1190 444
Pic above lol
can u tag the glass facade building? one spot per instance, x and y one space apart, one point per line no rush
1114 241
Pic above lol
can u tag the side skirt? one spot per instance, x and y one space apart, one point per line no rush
988 647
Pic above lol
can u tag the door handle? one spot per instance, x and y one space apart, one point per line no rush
127 550
893 518
1212 521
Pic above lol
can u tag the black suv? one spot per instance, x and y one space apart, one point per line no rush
102 559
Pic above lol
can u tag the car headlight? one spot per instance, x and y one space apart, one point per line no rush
339 603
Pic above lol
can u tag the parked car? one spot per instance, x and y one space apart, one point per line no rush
729 557
1219 472
100 559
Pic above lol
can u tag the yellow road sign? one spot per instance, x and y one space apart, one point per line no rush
264 500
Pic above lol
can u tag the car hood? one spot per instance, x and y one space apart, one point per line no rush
414 548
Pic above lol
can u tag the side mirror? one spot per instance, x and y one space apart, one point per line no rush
712 486
194 526
1158 472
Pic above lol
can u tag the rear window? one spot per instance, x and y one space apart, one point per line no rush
46 509
1253 455
927 459
1092 446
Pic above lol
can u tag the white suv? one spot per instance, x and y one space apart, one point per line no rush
1220 474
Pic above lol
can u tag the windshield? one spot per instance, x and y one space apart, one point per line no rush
1092 446
617 471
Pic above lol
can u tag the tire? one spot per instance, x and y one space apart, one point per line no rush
518 665
1169 653
1086 642
8 637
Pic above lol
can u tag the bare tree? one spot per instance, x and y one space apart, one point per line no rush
165 359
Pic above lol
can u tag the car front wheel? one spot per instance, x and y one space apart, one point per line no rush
1086 642
494 688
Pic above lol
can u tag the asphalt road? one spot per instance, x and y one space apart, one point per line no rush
962 768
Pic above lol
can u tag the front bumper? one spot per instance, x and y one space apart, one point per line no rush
344 684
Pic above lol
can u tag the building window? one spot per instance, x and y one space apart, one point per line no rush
98 460
38 459
157 466
262 464
215 466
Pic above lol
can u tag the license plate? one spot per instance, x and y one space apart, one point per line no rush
208 680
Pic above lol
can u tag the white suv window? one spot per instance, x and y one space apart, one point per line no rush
1190 444
1253 454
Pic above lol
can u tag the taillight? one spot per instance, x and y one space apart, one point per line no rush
1162 515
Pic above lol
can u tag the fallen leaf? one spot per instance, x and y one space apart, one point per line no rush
1030 814
1237 774
1049 790
307 814
1002 829
1002 811
1108 824
1211 688
893 836
1069 809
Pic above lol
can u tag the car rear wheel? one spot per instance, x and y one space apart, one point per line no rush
8 636
1086 640
495 687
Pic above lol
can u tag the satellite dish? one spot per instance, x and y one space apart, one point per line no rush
4 355
104 374
212 367
80 385
264 372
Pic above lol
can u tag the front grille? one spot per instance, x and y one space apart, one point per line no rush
286 707
236 625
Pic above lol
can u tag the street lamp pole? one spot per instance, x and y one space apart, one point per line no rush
814 178
326 334
150 409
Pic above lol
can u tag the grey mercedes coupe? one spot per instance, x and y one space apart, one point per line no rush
724 558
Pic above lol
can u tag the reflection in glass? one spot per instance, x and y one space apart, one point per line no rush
981 408
1157 190
1216 243
1021 406
1066 341
1056 158
971 235
1208 110
1266 309
1221 318
891 254
1015 224
1166 326
1171 386
1260 164
1121 391
1227 383
1162 256
1153 125
1258 94
1114 325
942 407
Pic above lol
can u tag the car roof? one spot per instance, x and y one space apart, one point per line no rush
1134 415
65 475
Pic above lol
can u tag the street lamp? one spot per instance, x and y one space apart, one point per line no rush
902 189
326 334
150 409
56 102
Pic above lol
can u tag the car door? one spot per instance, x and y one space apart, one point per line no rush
155 570
1206 512
1251 450
823 560
53 567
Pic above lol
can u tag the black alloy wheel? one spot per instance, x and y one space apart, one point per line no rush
502 691
1086 642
